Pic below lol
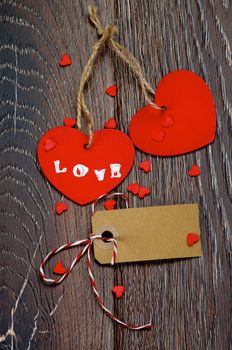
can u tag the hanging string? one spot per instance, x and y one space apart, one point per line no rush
106 34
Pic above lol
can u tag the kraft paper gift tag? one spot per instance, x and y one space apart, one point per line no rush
150 233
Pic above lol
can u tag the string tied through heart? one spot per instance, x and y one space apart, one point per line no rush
106 34
86 245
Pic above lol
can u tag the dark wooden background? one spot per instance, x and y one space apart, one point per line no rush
189 300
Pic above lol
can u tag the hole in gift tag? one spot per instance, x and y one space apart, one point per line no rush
106 231
107 234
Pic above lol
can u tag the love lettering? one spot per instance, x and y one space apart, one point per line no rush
80 170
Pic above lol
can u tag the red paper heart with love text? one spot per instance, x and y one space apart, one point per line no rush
84 174
187 124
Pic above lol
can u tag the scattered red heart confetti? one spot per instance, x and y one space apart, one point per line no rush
158 135
109 204
49 144
59 268
167 121
65 61
61 207
70 122
111 90
192 238
134 188
194 171
110 124
118 291
146 166
143 192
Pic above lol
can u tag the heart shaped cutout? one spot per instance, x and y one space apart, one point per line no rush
192 238
145 166
61 207
187 124
82 174
109 204
144 191
133 188
59 268
111 124
69 122
194 171
111 90
118 291
65 61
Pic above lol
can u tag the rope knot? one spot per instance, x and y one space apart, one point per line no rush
108 31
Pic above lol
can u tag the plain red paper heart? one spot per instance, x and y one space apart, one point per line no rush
49 144
109 147
134 188
109 204
144 191
110 124
188 123
145 166
69 122
59 268
194 171
192 238
65 60
118 291
111 90
61 207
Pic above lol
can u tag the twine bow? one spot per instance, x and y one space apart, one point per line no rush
87 243
106 34
87 246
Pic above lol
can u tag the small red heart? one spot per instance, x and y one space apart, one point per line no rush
134 188
70 122
194 171
192 238
118 291
110 124
61 207
167 121
59 268
158 135
49 144
65 61
109 204
143 192
111 90
146 166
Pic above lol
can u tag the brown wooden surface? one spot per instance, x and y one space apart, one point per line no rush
189 300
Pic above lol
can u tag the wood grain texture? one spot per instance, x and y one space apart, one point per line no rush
189 301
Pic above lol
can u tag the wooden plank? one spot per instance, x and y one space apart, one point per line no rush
188 300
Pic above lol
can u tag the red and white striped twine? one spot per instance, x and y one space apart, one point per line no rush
87 243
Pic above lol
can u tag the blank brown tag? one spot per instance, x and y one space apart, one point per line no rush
150 233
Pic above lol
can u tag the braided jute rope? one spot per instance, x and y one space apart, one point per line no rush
106 34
